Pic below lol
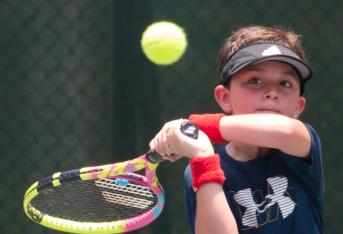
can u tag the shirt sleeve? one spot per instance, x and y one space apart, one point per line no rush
190 198
309 171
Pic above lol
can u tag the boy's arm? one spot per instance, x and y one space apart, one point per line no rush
268 130
264 130
213 214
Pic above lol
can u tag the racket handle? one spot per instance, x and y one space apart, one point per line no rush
187 128
154 157
190 129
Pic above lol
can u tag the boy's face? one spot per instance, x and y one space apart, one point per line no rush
265 87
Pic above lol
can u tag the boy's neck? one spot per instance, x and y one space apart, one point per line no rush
243 153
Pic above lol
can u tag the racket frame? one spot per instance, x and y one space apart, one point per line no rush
148 162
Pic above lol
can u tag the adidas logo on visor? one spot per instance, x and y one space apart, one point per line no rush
273 50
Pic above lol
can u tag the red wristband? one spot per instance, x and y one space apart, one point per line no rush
206 170
209 124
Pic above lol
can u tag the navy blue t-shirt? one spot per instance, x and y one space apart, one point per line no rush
278 193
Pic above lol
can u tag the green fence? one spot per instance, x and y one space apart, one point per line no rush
77 90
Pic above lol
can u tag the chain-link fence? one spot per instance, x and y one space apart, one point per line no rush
77 90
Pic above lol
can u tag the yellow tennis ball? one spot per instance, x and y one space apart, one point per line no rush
164 42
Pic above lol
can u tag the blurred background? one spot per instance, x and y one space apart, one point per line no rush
77 90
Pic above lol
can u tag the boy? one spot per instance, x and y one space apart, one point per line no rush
268 178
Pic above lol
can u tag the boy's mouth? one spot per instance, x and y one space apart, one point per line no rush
267 110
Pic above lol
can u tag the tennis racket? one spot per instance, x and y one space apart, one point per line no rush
113 198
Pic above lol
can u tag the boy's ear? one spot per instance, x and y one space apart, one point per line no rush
300 107
222 96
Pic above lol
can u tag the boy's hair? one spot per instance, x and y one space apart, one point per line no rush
259 34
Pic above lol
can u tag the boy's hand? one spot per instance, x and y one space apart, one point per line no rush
172 144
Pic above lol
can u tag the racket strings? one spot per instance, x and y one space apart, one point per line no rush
126 200
133 191
131 188
86 201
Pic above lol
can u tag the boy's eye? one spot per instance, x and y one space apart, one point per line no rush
286 84
255 81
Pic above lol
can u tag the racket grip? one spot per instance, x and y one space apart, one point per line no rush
190 129
154 157
187 128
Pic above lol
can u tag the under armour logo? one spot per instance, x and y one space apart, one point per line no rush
245 198
273 50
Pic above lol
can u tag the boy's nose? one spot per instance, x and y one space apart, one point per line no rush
271 94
